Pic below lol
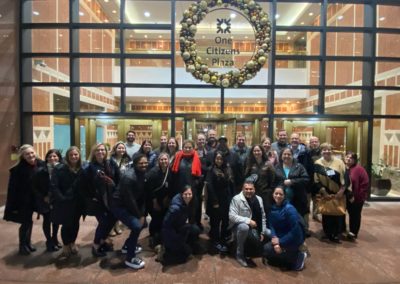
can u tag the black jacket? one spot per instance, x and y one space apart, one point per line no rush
20 202
41 187
300 182
220 188
155 189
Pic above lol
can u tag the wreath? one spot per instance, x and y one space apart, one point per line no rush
194 63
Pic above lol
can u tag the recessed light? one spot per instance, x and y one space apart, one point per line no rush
98 11
145 36
106 20
289 38
202 102
114 11
244 102
230 102
131 36
382 19
160 36
259 102
233 15
246 37
277 16
311 14
340 17
60 35
36 13
203 37
159 101
147 14
302 23
106 1
303 38
231 37
81 14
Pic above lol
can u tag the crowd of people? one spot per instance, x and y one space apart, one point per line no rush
257 197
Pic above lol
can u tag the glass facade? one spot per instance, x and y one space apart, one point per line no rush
92 69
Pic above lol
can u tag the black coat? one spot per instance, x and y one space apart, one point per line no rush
20 202
300 182
155 189
65 202
41 187
220 188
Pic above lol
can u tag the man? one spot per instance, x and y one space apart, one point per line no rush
314 153
297 147
163 145
246 212
241 149
131 146
282 143
211 139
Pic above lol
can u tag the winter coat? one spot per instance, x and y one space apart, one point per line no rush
156 189
65 202
20 202
41 188
300 182
285 224
220 188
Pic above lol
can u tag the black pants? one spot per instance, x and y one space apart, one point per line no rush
69 231
219 221
332 225
354 210
155 225
50 229
25 233
198 201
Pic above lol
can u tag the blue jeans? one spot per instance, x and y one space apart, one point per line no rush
133 223
106 222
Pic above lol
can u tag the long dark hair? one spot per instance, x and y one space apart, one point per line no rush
251 160
53 151
225 169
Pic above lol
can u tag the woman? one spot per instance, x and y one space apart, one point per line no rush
101 178
294 179
329 178
180 238
146 149
287 234
359 185
186 170
20 197
172 148
158 183
41 188
65 204
122 159
128 206
271 154
220 186
257 164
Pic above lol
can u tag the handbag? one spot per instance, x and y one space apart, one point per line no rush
332 207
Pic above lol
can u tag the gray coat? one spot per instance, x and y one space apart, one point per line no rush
240 212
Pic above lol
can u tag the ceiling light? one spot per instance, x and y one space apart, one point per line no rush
311 14
159 101
106 1
231 37
277 16
114 11
246 37
98 11
287 102
233 15
131 36
202 102
303 38
106 20
160 36
230 102
340 17
36 13
302 23
81 14
145 36
259 102
244 102
382 19
203 37
147 14
289 38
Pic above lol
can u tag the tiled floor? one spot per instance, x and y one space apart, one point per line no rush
374 258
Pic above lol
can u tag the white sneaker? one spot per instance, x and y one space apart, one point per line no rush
138 249
135 263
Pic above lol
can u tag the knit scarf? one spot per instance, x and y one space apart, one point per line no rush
196 164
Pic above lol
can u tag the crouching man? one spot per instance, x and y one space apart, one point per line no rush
247 219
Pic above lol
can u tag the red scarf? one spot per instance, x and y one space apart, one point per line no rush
196 164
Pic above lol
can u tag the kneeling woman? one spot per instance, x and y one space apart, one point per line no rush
180 238
287 234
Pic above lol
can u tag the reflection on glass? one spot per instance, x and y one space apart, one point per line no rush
298 14
345 15
388 16
99 11
46 40
343 101
304 101
148 100
99 70
255 101
387 74
147 41
341 73
46 11
197 101
49 132
148 12
297 43
385 158
46 99
46 69
344 44
387 45
386 102
99 99
98 41
148 71
296 72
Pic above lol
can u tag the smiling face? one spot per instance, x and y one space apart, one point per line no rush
248 190
163 161
349 160
187 148
142 165
130 137
257 153
73 157
241 141
287 156
278 195
100 153
282 137
52 159
163 140
201 141
120 150
295 140
147 147
326 153
267 145
187 195
219 160
172 145
29 155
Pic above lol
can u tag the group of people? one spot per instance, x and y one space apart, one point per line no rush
257 198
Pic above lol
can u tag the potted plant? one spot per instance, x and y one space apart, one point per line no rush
380 186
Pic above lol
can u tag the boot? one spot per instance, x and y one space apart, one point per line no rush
74 248
23 250
66 252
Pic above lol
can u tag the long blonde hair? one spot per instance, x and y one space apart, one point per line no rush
21 151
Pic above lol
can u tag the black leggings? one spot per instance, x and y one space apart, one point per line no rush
50 229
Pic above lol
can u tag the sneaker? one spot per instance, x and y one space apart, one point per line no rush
221 248
351 236
135 263
242 261
124 249
300 261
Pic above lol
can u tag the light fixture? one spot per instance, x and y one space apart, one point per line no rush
246 37
81 14
277 16
302 23
230 102
106 1
311 14
233 15
287 102
340 17
131 36
147 14
114 11
382 19
203 37
145 101
289 38
160 36
145 36
244 102
36 13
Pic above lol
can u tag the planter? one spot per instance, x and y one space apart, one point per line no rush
381 187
